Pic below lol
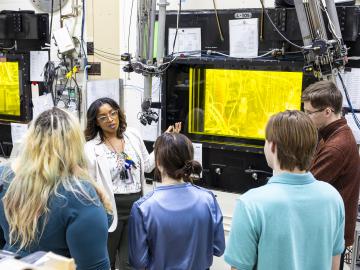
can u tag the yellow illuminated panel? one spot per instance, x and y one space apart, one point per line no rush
9 89
238 103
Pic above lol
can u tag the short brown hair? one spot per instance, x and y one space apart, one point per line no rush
174 152
323 94
295 137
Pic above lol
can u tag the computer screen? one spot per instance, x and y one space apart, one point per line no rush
238 103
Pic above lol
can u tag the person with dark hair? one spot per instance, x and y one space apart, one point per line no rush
117 159
337 158
294 221
178 225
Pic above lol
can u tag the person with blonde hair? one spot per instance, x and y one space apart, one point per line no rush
48 201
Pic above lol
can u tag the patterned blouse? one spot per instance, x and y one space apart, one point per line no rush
124 169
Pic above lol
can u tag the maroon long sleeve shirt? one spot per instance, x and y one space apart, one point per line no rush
337 162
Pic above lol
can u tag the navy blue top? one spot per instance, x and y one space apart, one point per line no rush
76 227
175 227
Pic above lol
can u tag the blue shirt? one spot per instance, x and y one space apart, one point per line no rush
175 227
294 222
76 227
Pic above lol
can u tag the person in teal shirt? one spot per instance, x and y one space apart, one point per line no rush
294 221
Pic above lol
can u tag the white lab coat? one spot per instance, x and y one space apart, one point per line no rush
100 171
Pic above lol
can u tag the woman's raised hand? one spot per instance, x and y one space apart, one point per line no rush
174 128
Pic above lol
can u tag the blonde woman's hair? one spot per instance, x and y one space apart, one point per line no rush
52 155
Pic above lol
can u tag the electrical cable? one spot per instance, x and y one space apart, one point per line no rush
177 27
278 31
108 57
49 75
106 52
356 120
112 54
108 60
10 48
2 150
331 25
93 22
60 14
79 95
83 24
152 70
51 18
218 22
259 56
82 41
131 11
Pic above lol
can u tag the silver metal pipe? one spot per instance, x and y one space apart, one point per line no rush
161 31
140 29
304 27
150 48
317 19
331 8
152 14
147 88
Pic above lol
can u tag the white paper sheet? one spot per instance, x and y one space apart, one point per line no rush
187 40
352 82
18 131
198 152
102 88
38 59
351 122
41 104
244 40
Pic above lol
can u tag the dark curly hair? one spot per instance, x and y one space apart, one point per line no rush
92 129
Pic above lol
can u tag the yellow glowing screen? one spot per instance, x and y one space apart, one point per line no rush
9 88
238 103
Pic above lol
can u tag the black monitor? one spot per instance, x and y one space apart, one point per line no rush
224 107
23 30
230 102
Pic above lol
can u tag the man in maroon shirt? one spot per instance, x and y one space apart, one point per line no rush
336 160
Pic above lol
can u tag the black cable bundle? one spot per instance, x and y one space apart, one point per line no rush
49 76
347 96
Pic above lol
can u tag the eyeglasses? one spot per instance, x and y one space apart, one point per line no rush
312 112
320 110
105 118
